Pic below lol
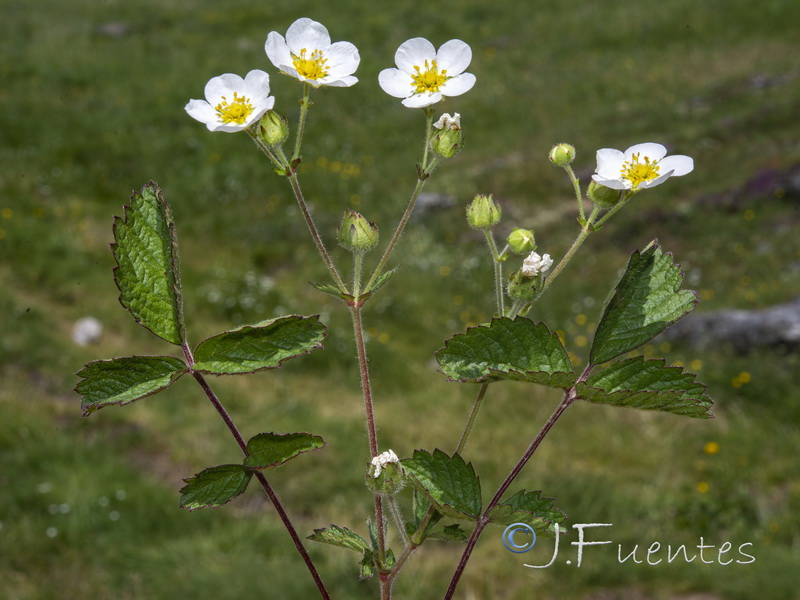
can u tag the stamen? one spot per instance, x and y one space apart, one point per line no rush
430 79
638 172
235 112
312 67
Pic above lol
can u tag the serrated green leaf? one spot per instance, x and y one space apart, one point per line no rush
327 288
450 483
214 486
449 533
381 280
515 349
270 450
340 536
260 346
529 508
147 275
649 385
123 380
647 300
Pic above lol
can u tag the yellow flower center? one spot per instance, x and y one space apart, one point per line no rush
235 112
638 172
312 67
430 79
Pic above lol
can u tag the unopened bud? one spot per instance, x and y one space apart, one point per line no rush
385 474
483 212
603 196
273 129
447 141
356 234
562 154
522 287
521 241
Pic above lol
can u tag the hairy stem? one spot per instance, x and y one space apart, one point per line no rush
476 407
301 124
497 261
576 185
276 503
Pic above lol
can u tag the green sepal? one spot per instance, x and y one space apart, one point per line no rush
647 300
366 568
648 385
270 450
340 536
508 349
448 482
381 280
529 508
264 345
214 486
147 272
123 380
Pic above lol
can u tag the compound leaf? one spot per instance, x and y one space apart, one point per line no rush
647 300
515 349
264 345
214 486
146 274
123 380
649 385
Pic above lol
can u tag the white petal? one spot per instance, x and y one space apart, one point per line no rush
657 181
396 83
614 184
256 83
609 163
224 85
454 56
339 82
678 164
203 112
277 50
649 150
458 85
422 100
414 52
343 59
307 34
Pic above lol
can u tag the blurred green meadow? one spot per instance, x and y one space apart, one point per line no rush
91 107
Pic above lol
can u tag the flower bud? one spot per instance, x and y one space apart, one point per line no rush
603 196
562 154
447 141
483 212
357 234
521 241
385 474
522 287
273 129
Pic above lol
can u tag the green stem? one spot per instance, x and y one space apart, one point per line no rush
498 273
276 503
576 185
628 195
301 124
265 148
394 508
476 407
403 222
428 127
358 259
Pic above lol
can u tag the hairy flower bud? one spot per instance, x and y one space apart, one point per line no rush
385 474
562 154
521 241
483 213
447 141
356 234
273 129
522 287
603 196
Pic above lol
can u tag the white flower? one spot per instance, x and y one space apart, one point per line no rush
308 55
380 461
423 76
233 103
448 122
535 264
639 167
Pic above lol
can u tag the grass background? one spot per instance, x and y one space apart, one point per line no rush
91 108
